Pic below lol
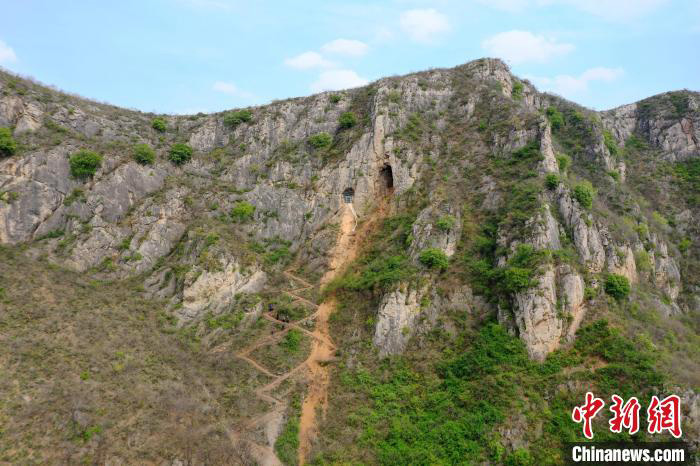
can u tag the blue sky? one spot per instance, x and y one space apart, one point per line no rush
186 56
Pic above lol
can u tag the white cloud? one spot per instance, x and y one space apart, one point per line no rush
6 53
424 26
619 10
353 48
333 80
568 85
308 60
523 46
231 89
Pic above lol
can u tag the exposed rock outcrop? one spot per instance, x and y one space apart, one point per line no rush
214 290
546 313
436 228
585 235
396 320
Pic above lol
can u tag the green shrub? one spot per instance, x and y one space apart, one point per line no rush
347 120
445 223
564 161
517 279
8 146
84 163
242 211
517 92
617 286
226 321
659 219
335 98
287 444
236 117
159 125
556 119
584 193
519 457
610 143
143 154
521 270
635 142
180 153
292 340
614 174
551 181
642 260
530 151
280 254
434 258
378 273
321 140
680 102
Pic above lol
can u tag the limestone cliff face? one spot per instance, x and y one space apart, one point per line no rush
436 228
550 311
671 125
129 219
396 320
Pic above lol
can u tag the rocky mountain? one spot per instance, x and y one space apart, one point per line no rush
430 268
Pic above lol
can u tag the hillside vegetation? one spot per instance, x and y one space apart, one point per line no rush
505 251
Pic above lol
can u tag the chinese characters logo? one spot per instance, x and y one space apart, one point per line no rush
662 415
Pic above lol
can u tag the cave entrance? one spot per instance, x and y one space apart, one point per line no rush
348 194
387 177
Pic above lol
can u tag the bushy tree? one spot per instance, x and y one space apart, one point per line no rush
564 161
321 140
551 181
143 154
517 92
84 163
180 153
8 146
446 222
242 211
556 119
236 117
584 193
617 286
434 258
347 120
159 125
610 143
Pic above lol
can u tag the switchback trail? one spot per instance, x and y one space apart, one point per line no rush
344 252
265 454
322 350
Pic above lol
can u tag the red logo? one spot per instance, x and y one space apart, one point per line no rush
665 415
626 415
587 412
662 415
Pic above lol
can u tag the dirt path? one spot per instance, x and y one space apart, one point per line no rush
322 349
271 419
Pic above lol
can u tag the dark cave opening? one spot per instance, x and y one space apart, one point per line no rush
387 177
348 195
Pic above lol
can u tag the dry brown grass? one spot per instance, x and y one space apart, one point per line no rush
90 373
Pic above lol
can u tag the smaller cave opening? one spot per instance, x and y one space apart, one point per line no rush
348 194
387 177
